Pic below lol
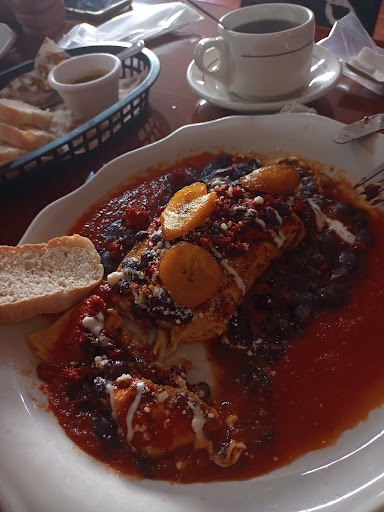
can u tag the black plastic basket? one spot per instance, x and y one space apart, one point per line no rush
101 128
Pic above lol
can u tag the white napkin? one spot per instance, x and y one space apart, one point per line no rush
352 44
369 62
143 22
297 108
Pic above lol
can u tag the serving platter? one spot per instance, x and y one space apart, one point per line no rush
41 470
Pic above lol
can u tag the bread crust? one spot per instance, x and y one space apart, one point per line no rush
19 113
26 138
55 263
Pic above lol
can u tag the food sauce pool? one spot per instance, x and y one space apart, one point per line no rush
329 381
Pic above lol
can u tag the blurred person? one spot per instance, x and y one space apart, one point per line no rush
38 19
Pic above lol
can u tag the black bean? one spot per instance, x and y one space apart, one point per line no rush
132 270
109 264
332 296
239 329
282 209
124 287
156 238
360 219
329 243
300 299
271 218
215 229
147 257
254 163
317 259
272 352
202 390
348 260
366 237
287 329
308 218
303 314
258 380
344 212
239 171
114 231
341 274
99 386
141 235
104 427
112 369
309 188
163 306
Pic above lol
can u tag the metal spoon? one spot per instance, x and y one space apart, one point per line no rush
207 13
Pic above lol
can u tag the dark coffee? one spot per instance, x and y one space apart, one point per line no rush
265 26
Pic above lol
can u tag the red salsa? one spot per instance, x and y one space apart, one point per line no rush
300 360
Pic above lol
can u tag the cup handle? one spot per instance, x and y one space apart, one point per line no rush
202 47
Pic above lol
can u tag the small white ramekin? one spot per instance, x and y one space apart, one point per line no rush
87 99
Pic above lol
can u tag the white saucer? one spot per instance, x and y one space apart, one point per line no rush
325 73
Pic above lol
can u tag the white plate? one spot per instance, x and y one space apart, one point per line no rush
325 73
41 470
7 38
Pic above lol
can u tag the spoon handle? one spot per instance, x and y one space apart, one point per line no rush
199 8
131 51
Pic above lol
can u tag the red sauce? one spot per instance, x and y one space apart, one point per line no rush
329 380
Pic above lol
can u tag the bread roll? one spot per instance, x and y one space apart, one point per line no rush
46 278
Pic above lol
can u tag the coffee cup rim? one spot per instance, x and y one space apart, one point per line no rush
264 7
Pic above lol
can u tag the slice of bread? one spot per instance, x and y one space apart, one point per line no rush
19 113
26 138
46 278
9 153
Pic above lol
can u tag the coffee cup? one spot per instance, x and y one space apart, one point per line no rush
264 51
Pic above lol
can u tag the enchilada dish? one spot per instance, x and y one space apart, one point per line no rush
250 259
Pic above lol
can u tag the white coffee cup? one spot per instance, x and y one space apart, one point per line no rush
261 66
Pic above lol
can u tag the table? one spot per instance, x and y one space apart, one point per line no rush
172 104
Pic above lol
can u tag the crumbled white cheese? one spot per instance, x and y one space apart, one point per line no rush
260 222
319 215
341 231
238 280
124 377
101 361
95 326
279 219
133 408
162 396
114 277
110 390
279 238
338 227
198 420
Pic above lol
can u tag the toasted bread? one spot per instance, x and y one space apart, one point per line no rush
26 138
8 153
46 278
19 113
